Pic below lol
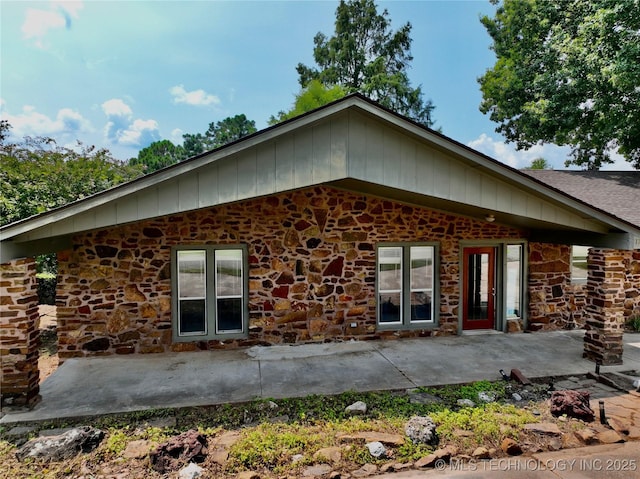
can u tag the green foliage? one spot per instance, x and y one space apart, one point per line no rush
38 175
273 445
313 96
218 134
365 55
634 323
161 154
488 423
539 164
567 73
158 155
117 441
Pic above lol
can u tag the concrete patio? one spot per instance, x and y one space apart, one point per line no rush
102 385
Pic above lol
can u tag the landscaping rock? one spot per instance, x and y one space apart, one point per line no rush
609 437
481 453
192 471
248 475
586 435
485 396
376 449
443 454
318 470
516 397
219 446
543 428
572 403
188 446
465 403
422 429
64 446
511 447
357 408
137 449
366 470
331 454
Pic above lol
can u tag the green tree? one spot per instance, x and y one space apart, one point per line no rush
37 175
539 164
218 134
364 55
313 96
567 72
157 155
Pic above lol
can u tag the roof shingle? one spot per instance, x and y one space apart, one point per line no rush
616 192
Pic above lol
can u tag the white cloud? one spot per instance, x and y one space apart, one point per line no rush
555 155
507 153
123 129
194 98
38 22
140 133
116 107
619 163
30 122
176 136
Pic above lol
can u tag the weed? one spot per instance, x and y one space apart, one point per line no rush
273 445
488 423
117 441
633 323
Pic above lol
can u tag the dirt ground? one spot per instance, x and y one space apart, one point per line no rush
48 361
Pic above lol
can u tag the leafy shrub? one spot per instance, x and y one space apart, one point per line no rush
47 288
633 323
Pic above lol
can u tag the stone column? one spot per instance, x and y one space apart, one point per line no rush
605 306
19 333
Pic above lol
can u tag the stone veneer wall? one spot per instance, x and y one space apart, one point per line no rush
19 333
632 284
608 271
552 302
312 270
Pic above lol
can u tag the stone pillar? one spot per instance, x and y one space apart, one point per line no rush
19 333
605 306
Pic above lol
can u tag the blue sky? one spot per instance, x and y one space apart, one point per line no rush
121 74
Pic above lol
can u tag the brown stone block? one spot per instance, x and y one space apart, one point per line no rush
132 293
292 317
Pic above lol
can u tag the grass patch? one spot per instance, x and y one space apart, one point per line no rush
488 424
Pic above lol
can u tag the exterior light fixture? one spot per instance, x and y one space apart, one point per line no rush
490 218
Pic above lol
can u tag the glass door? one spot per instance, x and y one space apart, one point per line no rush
479 292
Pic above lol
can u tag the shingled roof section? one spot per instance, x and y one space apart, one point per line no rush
616 192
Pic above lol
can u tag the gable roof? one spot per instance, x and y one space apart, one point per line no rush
352 143
617 192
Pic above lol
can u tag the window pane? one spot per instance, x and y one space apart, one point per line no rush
192 317
421 282
421 268
421 306
514 281
229 314
390 308
191 274
228 273
390 269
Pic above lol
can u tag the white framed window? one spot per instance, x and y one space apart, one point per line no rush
210 291
579 255
406 285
